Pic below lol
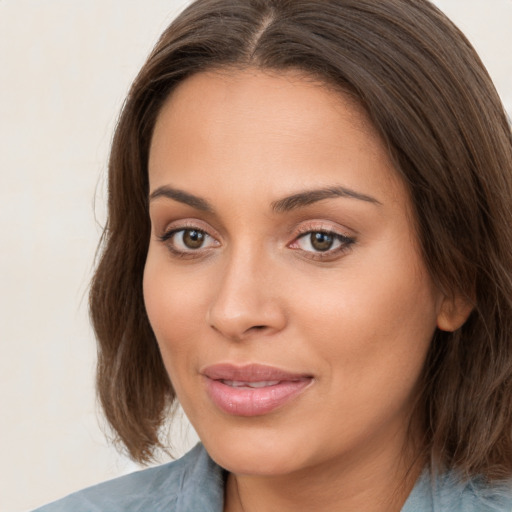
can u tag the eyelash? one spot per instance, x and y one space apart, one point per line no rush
329 254
167 239
345 242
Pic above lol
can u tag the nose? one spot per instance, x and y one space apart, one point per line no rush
246 302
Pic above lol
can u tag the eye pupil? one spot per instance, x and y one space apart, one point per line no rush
193 238
321 241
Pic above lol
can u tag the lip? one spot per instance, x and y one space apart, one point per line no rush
225 386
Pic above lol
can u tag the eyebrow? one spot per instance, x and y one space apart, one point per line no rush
308 197
182 197
286 204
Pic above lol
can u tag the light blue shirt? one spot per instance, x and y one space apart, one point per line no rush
195 483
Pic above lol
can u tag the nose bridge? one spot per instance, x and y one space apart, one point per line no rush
246 301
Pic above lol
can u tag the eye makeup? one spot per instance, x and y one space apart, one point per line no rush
313 240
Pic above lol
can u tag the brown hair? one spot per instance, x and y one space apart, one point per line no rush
437 111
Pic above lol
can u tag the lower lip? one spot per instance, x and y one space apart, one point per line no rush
253 401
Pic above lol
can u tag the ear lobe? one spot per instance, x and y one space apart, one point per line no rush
454 311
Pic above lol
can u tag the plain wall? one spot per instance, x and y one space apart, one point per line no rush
65 67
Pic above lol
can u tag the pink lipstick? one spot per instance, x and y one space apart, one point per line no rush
252 390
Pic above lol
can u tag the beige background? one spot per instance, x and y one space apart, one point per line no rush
65 67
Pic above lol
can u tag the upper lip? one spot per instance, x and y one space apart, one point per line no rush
250 373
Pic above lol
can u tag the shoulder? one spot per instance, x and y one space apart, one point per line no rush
448 493
193 482
477 496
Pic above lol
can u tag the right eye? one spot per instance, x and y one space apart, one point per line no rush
188 240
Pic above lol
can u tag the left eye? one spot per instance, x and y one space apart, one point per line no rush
321 241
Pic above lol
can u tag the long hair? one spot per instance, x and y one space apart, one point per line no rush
438 113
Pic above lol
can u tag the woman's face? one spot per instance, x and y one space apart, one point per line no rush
283 279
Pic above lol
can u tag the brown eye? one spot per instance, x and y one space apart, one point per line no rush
321 241
188 241
322 244
192 238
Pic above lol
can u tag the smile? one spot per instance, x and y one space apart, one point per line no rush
252 390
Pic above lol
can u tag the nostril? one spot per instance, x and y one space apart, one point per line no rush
256 328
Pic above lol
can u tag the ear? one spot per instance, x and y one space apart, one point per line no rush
454 311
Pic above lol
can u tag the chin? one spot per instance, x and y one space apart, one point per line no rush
257 451
281 443
247 461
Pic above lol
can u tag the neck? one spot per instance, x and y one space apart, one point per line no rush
376 482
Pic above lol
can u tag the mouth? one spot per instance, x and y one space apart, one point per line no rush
252 390
250 385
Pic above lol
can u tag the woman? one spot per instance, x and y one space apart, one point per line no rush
308 246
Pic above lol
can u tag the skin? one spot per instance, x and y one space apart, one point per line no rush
358 318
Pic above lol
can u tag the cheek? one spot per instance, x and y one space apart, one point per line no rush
371 344
175 305
375 323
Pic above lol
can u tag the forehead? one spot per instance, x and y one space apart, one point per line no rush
254 93
274 126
